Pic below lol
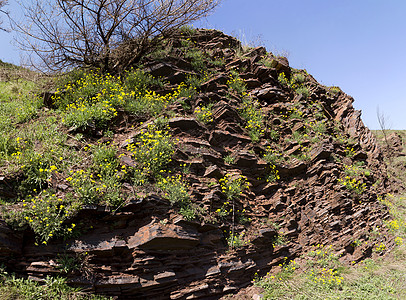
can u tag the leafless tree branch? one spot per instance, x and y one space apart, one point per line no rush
4 12
107 34
383 124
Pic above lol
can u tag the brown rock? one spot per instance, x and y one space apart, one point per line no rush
11 242
163 237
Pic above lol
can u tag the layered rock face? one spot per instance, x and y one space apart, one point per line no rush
298 166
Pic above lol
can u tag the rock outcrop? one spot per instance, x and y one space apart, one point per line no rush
147 250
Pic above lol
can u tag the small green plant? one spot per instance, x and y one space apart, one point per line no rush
197 59
153 150
47 215
53 288
175 189
187 30
352 184
250 111
298 78
188 212
297 82
273 174
67 263
295 113
356 243
350 152
398 241
380 248
282 79
225 210
279 240
137 80
319 127
272 156
91 99
236 84
236 240
266 61
233 185
274 135
229 159
334 90
204 114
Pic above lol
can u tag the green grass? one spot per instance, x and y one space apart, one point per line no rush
12 287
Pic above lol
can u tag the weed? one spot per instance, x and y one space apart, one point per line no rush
350 152
380 248
296 82
334 90
233 185
67 263
229 159
250 111
197 59
153 150
236 240
352 184
204 114
273 174
188 212
236 84
175 190
272 156
47 216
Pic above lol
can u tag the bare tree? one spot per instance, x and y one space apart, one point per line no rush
383 124
101 33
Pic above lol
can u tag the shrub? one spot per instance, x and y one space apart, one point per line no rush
47 214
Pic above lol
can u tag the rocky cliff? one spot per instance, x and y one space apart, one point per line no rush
308 172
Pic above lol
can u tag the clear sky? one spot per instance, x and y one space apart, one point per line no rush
359 45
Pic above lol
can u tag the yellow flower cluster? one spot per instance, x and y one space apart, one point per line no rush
46 215
384 200
329 277
225 210
153 149
251 112
236 84
393 225
350 152
321 251
273 174
233 185
204 114
236 240
353 184
398 241
96 98
291 267
295 113
380 248
175 189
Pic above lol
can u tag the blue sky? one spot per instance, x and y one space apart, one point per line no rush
359 45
